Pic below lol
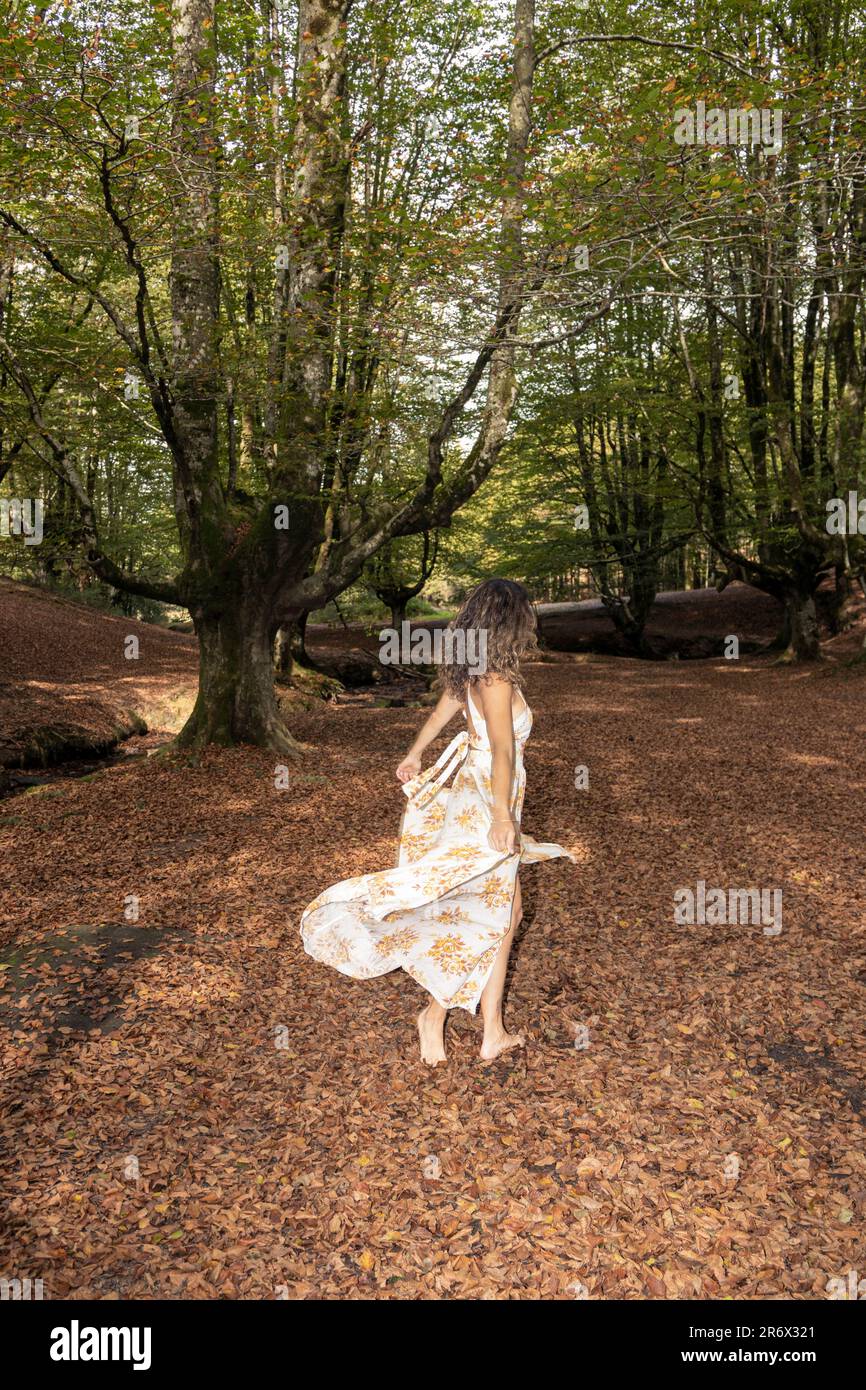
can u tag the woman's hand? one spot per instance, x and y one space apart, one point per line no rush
504 834
409 768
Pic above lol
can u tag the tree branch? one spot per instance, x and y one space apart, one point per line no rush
64 465
719 53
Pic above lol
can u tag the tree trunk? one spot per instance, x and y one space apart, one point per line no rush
637 639
236 700
802 622
837 609
782 640
284 657
302 653
290 646
629 625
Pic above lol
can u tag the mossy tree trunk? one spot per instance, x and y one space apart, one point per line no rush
236 700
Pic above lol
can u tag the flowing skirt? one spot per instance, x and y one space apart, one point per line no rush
443 912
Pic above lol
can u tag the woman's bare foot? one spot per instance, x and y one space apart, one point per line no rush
499 1042
431 1032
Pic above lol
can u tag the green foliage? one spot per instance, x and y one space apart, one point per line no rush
700 260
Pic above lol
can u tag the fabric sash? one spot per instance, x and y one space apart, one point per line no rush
422 789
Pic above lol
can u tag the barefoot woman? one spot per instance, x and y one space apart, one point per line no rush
447 913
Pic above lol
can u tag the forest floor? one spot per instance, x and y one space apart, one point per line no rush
192 1108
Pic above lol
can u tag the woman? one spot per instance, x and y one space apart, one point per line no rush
447 913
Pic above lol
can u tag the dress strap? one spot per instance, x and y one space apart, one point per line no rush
478 721
475 709
424 787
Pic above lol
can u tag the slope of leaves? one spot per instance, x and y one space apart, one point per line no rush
66 685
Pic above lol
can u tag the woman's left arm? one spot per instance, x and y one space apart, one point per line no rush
446 708
496 697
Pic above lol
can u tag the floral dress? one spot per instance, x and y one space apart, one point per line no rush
442 913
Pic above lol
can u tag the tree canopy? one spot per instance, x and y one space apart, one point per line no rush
570 289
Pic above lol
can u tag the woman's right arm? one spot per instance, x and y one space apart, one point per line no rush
446 708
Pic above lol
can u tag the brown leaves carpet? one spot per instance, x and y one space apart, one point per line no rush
192 1108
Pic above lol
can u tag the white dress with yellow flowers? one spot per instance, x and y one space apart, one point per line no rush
442 913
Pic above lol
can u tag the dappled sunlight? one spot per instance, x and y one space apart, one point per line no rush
812 759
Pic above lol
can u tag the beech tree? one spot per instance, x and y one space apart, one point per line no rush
261 545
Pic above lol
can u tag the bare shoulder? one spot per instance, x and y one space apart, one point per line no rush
493 693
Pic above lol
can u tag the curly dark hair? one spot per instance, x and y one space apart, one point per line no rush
502 609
